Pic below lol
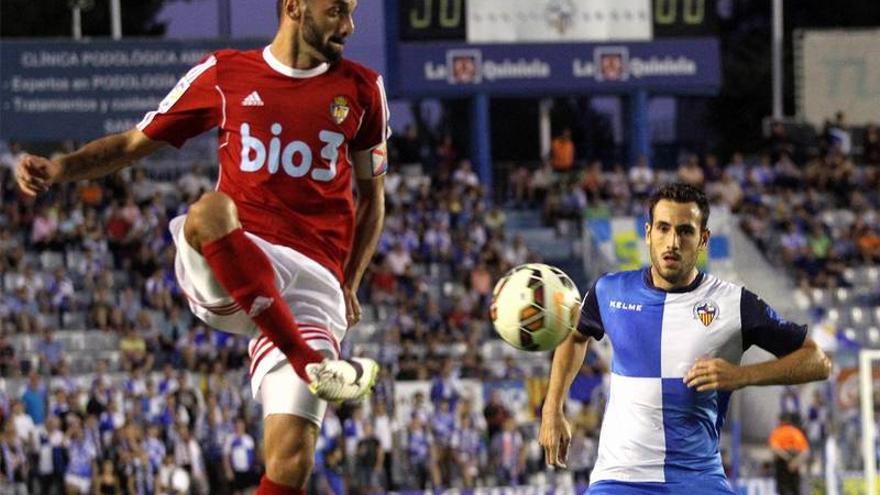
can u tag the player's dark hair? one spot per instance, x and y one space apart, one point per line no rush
680 193
278 8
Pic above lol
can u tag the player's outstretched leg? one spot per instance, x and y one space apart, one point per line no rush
243 269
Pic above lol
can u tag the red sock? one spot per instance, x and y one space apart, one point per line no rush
269 487
246 273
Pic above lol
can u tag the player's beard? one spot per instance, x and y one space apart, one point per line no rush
313 36
673 276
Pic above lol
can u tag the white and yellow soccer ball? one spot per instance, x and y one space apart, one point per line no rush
534 307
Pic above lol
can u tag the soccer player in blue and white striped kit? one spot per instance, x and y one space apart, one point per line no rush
678 335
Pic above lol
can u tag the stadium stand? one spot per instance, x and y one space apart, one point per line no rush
98 348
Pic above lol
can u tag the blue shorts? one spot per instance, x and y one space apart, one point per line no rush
711 485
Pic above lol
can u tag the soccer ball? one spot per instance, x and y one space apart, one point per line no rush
535 307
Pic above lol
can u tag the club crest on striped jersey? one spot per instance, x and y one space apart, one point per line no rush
339 109
706 311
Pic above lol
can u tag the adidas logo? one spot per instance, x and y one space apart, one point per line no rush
260 303
252 100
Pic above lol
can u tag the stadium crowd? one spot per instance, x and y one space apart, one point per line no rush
165 406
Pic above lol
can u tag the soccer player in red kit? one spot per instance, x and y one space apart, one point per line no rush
279 249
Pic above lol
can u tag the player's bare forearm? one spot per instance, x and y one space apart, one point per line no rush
369 218
567 360
106 155
807 364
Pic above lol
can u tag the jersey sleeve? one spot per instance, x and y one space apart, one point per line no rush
374 129
590 322
192 107
762 326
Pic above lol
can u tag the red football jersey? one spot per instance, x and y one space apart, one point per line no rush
285 142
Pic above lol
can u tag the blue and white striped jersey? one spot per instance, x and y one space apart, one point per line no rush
658 433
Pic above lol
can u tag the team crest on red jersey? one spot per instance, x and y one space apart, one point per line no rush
339 109
706 311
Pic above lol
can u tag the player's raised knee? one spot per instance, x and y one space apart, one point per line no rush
211 217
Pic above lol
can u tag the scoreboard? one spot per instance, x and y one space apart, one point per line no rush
432 20
479 49
451 48
446 20
674 18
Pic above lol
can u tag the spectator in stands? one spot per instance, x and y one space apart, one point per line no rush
508 453
23 425
481 283
172 479
562 152
352 432
838 135
727 192
51 352
496 414
49 459
737 167
91 431
761 175
188 455
138 474
641 179
14 468
29 282
444 386
443 426
871 145
867 238
786 172
468 450
35 398
818 418
333 472
385 427
133 350
517 252
447 154
107 480
240 457
63 379
10 155
540 182
168 383
418 454
44 230
398 260
154 447
582 455
689 171
369 462
61 292
511 370
465 175
194 182
779 141
790 452
8 363
82 457
408 146
793 243
520 184
592 180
